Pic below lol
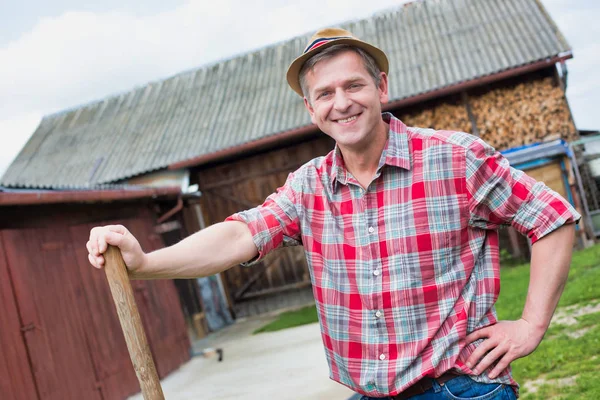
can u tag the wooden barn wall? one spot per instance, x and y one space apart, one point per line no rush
243 184
67 323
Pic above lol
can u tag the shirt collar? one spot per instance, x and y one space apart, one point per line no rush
395 153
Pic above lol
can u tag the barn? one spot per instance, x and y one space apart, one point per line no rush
233 130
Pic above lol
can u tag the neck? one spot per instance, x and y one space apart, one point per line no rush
362 161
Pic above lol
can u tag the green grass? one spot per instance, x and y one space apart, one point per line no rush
559 356
289 319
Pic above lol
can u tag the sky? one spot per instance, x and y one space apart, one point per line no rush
60 54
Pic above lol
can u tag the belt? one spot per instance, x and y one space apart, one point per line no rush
423 385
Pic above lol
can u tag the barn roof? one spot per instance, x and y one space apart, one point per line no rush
432 45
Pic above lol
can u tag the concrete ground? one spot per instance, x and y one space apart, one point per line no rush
287 364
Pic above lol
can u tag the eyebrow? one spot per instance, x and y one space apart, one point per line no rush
349 81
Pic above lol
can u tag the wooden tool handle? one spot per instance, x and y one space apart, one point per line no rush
131 323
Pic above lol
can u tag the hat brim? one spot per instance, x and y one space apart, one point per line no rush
293 73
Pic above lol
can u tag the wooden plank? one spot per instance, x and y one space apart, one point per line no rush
551 175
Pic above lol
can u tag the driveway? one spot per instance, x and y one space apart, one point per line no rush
287 364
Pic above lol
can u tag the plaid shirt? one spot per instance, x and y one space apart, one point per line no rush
404 270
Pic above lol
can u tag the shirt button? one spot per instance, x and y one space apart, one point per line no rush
378 314
371 229
376 272
382 357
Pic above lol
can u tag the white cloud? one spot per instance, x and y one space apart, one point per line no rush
81 56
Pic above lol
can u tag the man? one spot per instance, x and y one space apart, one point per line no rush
399 230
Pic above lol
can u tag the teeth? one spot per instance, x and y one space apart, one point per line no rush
343 121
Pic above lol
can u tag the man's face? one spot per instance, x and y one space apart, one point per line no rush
345 102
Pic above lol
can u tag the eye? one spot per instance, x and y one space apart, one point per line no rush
323 94
354 86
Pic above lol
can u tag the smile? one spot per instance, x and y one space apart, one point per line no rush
344 121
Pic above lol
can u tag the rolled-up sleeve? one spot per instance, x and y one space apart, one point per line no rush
275 223
501 195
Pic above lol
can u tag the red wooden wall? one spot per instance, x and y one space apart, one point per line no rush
59 335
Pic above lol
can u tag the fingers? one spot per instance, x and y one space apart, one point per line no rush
480 351
110 234
118 229
489 359
97 262
102 245
502 365
478 334
100 238
89 248
504 342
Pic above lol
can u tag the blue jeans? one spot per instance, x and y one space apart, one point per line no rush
463 388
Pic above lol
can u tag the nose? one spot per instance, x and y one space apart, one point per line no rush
341 102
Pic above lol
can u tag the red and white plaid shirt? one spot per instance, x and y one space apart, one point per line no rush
403 271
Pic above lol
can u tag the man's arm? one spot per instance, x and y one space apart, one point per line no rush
206 252
508 340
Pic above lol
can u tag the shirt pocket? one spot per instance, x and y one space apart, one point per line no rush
424 240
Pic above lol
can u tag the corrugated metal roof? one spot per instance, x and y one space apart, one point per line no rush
431 44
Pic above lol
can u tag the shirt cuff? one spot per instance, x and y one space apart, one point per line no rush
543 213
258 229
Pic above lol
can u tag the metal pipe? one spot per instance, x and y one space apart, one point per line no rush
575 166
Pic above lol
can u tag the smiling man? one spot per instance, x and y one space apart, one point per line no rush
399 230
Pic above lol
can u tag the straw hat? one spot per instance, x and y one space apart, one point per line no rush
325 38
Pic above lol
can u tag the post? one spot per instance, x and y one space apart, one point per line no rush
131 323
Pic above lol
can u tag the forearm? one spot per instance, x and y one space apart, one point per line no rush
206 252
550 262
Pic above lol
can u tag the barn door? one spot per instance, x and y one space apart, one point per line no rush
16 378
243 184
49 294
108 351
159 309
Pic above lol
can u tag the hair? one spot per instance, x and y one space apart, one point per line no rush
368 61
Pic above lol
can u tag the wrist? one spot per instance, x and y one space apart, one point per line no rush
537 328
138 269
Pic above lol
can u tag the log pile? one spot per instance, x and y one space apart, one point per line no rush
529 112
506 116
447 116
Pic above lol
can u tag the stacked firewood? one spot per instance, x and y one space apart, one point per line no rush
510 116
447 116
529 112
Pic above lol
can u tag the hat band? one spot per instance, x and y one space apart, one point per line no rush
320 42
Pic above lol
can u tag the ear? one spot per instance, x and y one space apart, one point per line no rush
311 110
383 88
